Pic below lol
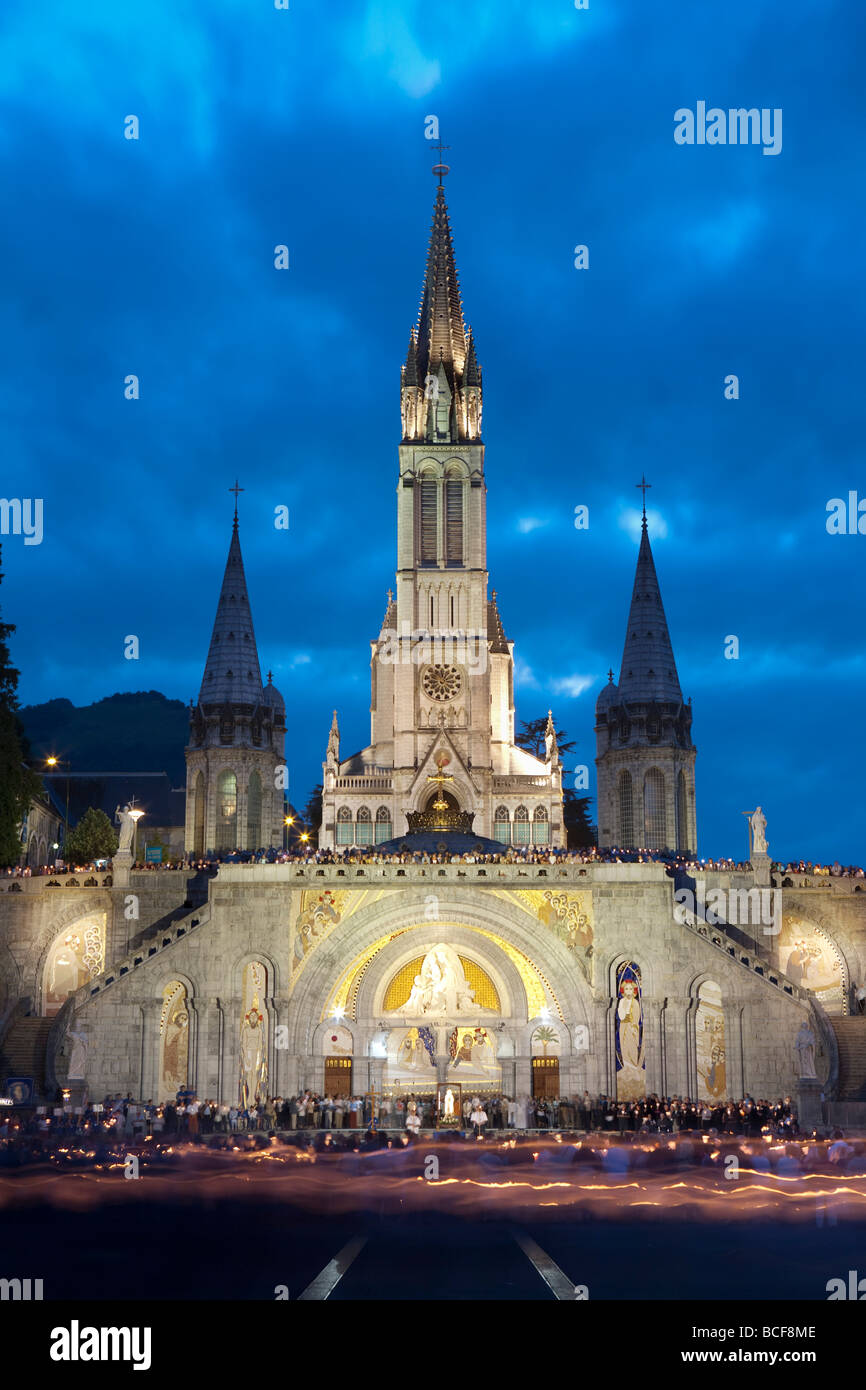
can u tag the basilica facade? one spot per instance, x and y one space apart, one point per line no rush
518 977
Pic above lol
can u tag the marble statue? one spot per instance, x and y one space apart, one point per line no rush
127 827
78 1059
441 988
253 1069
758 822
804 1046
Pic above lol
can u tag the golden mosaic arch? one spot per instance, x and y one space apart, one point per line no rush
343 998
398 991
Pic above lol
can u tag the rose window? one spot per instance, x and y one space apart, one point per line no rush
442 682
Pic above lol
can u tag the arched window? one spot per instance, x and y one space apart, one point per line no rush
227 811
428 517
254 812
521 826
626 811
454 521
363 826
383 825
198 844
654 809
540 826
682 814
345 829
502 825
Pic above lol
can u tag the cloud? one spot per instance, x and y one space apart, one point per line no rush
525 524
573 685
524 674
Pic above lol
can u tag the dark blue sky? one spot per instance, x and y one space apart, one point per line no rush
305 127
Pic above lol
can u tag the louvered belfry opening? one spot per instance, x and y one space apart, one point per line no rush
427 523
454 521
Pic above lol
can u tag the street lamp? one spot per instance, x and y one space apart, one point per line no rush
52 761
287 821
136 814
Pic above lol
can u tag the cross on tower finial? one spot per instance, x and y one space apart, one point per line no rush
440 169
236 490
644 486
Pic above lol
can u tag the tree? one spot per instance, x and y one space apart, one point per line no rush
532 735
18 783
92 838
313 812
580 833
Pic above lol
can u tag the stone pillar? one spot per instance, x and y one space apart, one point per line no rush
654 1043
278 1084
761 865
230 1052
603 1039
809 1113
210 1036
197 1010
734 1060
523 1076
121 865
150 1049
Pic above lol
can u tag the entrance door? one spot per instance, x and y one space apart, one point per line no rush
545 1078
338 1076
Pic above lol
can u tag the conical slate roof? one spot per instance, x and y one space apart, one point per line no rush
649 671
441 332
495 630
232 674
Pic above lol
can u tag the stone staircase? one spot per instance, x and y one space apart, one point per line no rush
22 1052
851 1041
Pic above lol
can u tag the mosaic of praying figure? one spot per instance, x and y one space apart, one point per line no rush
175 1040
630 1056
710 1042
253 1041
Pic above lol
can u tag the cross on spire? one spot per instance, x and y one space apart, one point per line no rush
236 490
440 169
644 486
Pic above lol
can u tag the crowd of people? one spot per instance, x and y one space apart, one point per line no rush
512 854
188 1118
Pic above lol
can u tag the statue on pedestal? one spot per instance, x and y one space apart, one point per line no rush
126 821
804 1046
758 822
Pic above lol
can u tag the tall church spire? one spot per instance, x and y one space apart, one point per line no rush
232 674
649 671
441 379
645 756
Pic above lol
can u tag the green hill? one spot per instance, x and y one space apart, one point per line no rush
129 732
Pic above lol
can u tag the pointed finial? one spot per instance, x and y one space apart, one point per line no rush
270 677
643 485
440 169
610 676
236 490
390 597
493 594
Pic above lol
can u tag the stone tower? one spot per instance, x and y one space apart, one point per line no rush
235 761
644 752
442 668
